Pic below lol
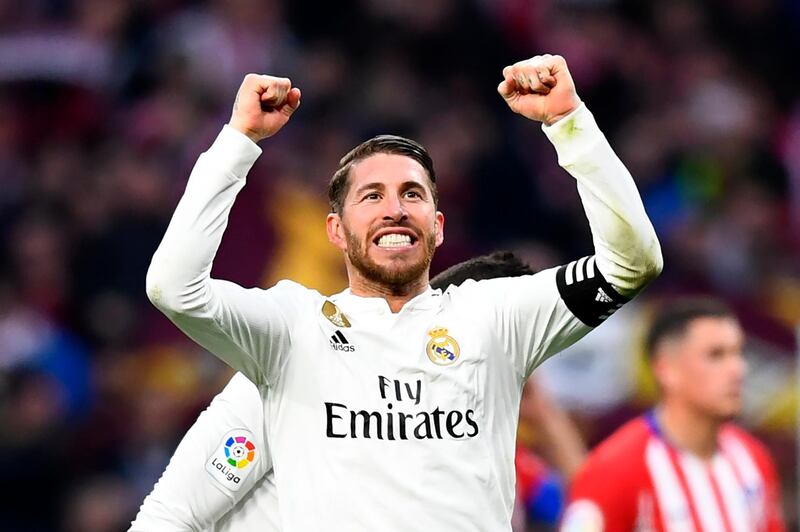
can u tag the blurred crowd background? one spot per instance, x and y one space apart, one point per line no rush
106 104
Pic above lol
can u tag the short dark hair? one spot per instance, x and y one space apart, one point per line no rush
674 318
491 266
393 144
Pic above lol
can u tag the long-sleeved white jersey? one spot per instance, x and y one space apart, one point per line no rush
407 420
220 477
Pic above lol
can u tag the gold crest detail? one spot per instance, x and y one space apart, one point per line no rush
334 315
442 348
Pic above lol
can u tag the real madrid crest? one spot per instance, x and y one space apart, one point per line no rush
442 348
334 315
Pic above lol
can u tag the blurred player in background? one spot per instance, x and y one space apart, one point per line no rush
392 406
550 449
220 477
195 493
684 465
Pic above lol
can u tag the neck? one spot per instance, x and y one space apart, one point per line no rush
395 295
689 429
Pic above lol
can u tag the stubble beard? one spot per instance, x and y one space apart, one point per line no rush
392 277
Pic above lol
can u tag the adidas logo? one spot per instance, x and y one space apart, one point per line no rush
340 343
602 297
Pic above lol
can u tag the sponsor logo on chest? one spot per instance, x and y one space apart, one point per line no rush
401 414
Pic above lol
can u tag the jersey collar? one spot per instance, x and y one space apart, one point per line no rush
428 299
651 419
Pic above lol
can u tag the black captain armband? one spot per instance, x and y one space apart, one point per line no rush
586 292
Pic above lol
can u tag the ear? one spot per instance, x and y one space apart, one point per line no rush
438 227
666 374
335 229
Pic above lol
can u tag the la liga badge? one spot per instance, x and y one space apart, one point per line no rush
232 461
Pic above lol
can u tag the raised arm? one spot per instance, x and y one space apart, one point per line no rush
627 252
539 315
245 327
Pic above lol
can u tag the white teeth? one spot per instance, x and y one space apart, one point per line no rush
394 240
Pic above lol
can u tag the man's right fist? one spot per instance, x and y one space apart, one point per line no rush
263 105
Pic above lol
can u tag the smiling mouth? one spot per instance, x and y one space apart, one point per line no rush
395 241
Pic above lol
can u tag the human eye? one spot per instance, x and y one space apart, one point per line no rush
413 194
716 354
372 196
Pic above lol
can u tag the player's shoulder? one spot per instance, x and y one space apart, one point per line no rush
287 286
733 430
241 390
293 293
239 405
623 449
498 287
731 433
605 489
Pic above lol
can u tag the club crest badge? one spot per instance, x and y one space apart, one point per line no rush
442 348
334 315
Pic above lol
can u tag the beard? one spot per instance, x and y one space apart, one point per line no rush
398 273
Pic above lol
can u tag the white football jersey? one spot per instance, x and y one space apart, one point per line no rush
399 421
405 421
219 478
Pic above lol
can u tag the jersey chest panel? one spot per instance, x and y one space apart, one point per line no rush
396 368
396 401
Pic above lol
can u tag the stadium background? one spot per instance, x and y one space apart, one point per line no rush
105 104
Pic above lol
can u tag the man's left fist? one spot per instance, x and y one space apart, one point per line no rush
540 88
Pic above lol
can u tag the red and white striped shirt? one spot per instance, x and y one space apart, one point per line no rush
636 481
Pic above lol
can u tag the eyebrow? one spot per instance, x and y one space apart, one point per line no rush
369 186
377 185
412 184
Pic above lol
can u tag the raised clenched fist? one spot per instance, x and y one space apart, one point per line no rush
263 105
540 88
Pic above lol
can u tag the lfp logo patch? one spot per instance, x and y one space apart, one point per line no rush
239 451
232 462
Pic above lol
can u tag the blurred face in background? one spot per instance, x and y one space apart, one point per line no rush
389 226
704 368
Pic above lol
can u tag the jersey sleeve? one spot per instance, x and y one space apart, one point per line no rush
539 315
246 328
536 316
627 251
259 510
222 456
586 293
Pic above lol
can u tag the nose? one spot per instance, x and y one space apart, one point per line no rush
395 210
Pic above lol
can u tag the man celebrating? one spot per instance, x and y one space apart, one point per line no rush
392 406
683 466
201 490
